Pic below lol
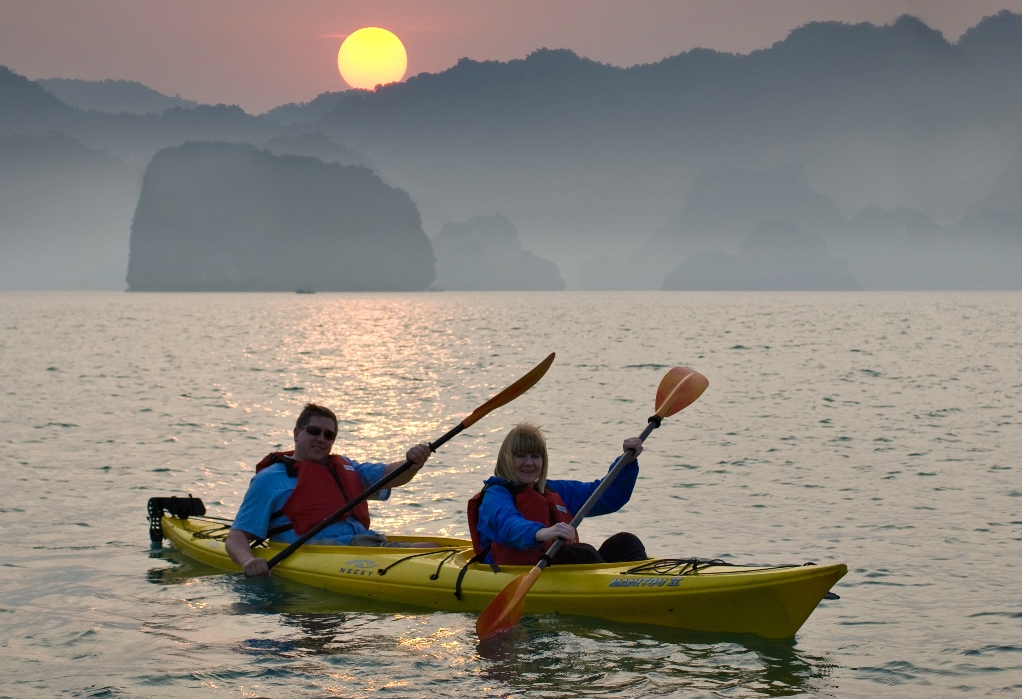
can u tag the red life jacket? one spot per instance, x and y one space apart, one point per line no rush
320 490
546 508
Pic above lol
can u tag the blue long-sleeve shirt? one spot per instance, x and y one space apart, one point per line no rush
500 520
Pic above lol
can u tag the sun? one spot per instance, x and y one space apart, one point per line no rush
372 56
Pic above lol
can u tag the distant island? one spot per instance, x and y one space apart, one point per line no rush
65 210
775 256
228 217
483 254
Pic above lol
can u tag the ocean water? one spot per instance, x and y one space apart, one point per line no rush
882 430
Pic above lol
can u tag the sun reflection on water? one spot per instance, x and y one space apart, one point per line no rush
376 362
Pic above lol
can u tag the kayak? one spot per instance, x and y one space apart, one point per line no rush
685 593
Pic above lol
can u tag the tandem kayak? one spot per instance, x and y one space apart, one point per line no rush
692 594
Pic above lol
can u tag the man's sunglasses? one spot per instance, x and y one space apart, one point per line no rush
330 435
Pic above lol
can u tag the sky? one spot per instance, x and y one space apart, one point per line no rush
263 53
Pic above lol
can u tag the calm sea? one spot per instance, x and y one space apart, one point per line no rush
882 430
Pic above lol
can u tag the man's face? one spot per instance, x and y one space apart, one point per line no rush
315 447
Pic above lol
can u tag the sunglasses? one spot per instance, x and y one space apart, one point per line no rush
330 435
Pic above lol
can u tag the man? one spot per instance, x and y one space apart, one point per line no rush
289 495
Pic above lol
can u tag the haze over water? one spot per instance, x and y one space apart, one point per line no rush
876 429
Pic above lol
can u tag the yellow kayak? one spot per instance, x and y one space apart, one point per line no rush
709 596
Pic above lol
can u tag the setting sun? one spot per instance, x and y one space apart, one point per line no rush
371 57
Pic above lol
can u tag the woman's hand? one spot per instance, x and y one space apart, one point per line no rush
561 530
633 443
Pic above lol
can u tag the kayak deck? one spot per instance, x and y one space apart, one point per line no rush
710 596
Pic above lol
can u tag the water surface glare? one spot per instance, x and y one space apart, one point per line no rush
881 430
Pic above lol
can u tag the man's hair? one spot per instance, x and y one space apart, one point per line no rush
524 438
312 410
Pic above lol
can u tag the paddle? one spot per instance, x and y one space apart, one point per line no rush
506 396
679 388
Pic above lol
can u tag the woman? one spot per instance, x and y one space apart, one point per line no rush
519 513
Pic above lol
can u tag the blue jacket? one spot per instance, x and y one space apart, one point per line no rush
500 521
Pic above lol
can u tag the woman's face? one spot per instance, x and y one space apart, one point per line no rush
528 468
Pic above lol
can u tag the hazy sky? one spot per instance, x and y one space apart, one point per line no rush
262 53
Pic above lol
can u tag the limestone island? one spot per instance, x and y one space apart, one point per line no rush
229 217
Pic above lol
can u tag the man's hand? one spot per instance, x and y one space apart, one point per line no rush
418 456
257 566
238 549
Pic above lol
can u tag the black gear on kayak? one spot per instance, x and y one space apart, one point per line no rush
677 566
478 558
176 507
436 575
451 553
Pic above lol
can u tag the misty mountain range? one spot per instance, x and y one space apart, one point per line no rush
891 146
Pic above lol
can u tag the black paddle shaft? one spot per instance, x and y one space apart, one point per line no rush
433 446
626 458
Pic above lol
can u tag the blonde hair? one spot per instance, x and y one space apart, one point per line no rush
524 438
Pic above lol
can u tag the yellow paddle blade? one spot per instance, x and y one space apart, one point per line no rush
505 611
679 389
511 392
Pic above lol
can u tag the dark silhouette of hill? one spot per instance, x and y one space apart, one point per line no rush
775 256
484 254
69 181
306 112
227 217
1000 211
724 203
113 96
993 49
26 106
879 248
825 78
876 115
317 145
894 249
988 240
64 214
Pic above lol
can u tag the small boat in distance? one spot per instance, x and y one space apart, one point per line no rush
304 291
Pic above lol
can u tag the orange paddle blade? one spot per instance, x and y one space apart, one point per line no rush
679 389
511 392
505 611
